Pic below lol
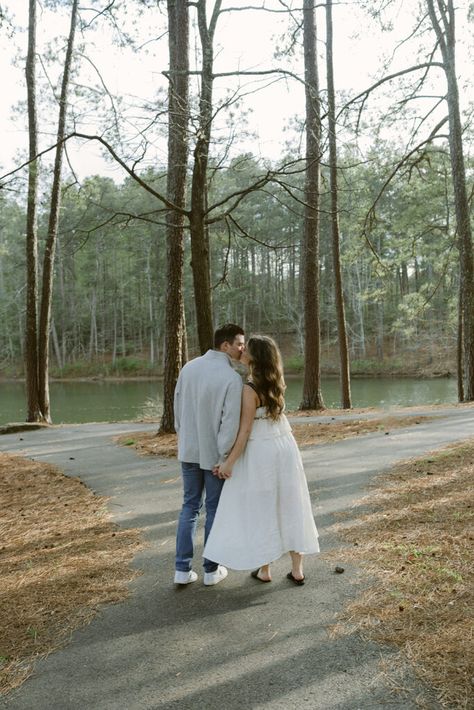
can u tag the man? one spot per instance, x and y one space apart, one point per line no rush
207 404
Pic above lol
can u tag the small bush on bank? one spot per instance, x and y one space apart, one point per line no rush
80 368
126 366
370 367
294 364
378 367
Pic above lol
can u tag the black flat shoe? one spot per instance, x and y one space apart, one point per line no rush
254 574
298 582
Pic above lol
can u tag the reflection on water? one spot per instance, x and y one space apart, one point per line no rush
117 401
381 392
84 401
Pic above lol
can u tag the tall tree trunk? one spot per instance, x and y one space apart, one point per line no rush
184 345
151 310
93 325
338 290
380 335
50 247
356 290
63 311
178 111
312 397
57 349
115 334
199 231
444 27
459 348
34 413
123 339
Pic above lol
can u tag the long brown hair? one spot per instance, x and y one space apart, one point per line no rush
266 370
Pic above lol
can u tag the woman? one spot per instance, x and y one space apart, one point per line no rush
264 509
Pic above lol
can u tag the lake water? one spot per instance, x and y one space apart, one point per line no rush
76 402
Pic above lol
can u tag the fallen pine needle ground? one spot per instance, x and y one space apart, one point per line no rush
60 558
415 547
309 434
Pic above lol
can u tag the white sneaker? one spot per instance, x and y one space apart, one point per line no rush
185 577
215 577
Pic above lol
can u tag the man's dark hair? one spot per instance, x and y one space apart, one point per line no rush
226 333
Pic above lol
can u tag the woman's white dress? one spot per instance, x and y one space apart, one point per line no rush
264 509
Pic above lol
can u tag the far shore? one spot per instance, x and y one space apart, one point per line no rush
290 374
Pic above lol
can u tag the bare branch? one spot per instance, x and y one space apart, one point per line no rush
365 94
254 187
413 33
218 75
244 233
98 12
436 26
223 278
371 216
255 7
116 157
104 85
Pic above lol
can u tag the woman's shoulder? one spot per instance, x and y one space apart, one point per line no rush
251 384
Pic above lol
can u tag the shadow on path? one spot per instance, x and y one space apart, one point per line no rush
237 645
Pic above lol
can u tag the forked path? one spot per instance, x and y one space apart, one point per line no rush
238 645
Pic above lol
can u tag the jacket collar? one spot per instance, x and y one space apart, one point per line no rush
218 355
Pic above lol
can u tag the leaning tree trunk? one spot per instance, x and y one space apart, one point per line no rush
312 397
198 226
50 246
338 290
444 27
178 110
34 413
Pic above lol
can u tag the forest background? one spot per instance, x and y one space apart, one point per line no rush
399 249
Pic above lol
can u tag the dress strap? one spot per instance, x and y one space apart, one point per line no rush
251 384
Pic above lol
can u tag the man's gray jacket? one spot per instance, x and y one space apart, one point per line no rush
207 403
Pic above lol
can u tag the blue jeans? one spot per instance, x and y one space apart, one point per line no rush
196 482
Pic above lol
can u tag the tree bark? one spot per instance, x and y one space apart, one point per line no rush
444 27
178 112
338 290
312 397
151 310
34 413
199 191
50 246
459 347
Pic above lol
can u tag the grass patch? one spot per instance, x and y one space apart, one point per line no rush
60 557
152 444
417 544
309 434
325 432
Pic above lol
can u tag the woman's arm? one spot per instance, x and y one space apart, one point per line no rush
247 415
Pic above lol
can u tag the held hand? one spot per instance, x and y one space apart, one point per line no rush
225 470
222 471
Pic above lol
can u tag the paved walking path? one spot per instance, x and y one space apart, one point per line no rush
239 645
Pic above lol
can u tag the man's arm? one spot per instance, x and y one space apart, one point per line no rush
177 392
229 425
249 407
